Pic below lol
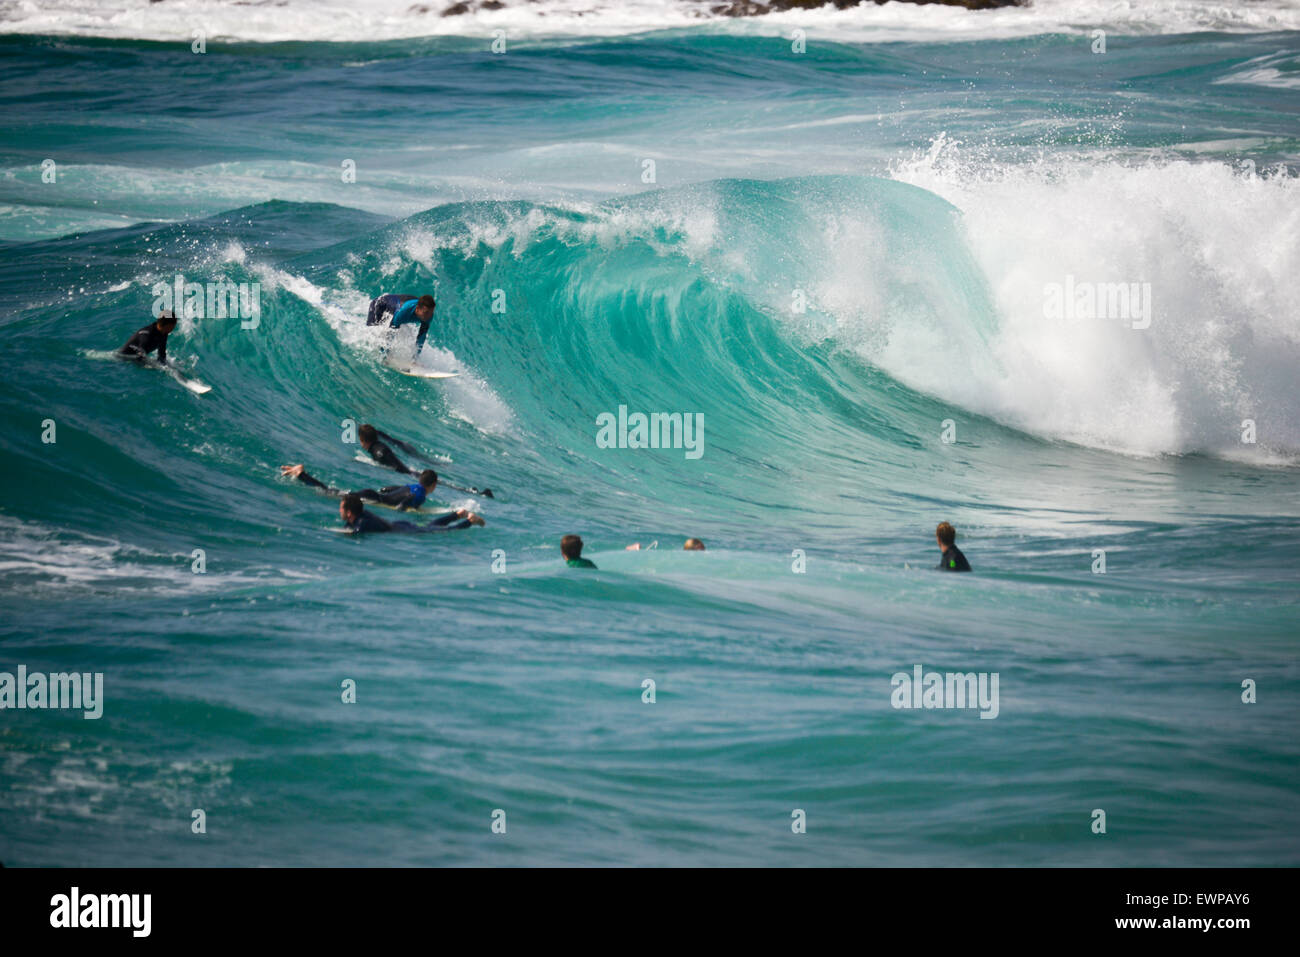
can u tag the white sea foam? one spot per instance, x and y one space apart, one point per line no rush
1217 245
1278 70
33 555
352 20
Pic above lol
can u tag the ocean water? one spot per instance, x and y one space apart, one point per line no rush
840 255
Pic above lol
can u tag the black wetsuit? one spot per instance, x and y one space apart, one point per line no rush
953 561
368 522
373 523
399 496
145 341
382 454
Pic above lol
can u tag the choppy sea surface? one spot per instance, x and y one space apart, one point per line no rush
833 235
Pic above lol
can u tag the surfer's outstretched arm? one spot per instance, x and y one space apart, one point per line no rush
299 472
443 523
444 526
461 518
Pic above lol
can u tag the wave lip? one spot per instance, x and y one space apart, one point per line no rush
940 278
1213 367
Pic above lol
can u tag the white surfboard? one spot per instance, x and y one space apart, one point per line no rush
417 372
424 373
194 385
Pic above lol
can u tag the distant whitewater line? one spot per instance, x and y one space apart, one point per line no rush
379 20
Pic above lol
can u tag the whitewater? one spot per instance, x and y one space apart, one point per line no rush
835 237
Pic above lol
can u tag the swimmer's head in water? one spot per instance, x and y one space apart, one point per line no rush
350 507
945 534
571 546
424 308
167 320
693 545
429 479
367 435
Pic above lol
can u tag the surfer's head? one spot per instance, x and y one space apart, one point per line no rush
571 546
350 508
429 479
424 308
693 545
166 320
945 535
367 436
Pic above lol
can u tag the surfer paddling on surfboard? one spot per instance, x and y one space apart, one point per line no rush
368 435
356 520
400 497
150 338
398 310
374 442
153 338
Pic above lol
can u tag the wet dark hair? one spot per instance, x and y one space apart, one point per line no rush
167 317
426 302
571 546
367 433
428 477
352 503
947 534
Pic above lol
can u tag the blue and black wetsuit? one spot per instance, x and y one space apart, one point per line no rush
953 561
398 310
367 522
145 341
399 496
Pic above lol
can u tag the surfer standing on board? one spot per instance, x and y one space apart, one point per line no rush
398 310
